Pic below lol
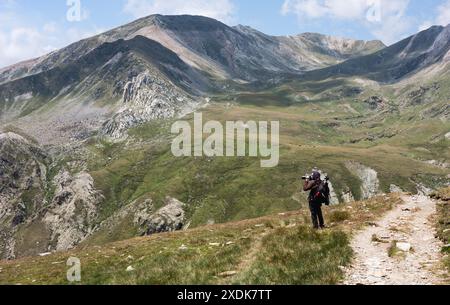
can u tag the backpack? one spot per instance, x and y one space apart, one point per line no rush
322 193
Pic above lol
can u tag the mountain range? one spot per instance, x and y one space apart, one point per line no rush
84 153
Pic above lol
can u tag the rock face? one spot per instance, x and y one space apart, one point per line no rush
73 211
23 168
143 218
169 218
37 215
369 179
333 196
147 97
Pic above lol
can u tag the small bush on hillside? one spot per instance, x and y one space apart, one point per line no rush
339 216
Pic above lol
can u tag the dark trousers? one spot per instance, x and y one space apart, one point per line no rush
316 215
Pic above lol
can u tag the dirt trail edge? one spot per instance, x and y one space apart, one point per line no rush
379 262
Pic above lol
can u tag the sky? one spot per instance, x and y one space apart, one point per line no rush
30 28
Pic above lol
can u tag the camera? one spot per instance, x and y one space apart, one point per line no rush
309 177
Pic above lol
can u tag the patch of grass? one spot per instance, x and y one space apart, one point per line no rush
443 220
277 249
393 251
339 216
299 257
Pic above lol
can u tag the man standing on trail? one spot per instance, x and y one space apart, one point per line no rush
315 185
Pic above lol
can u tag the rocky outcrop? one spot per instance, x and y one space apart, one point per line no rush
423 94
368 176
142 217
169 218
423 190
347 196
441 164
73 210
23 168
395 189
148 97
375 102
333 196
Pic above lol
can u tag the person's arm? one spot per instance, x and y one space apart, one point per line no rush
308 185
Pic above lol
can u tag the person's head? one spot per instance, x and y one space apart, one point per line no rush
315 175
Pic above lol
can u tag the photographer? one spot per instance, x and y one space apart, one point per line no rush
319 194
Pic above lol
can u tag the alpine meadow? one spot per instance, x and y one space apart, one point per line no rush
170 151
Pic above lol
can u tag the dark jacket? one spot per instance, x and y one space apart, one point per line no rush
311 185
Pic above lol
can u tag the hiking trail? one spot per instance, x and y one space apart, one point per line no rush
410 225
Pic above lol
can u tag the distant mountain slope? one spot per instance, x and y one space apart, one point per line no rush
150 69
100 79
398 61
51 82
328 50
219 50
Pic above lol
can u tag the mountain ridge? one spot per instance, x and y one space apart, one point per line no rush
398 61
160 28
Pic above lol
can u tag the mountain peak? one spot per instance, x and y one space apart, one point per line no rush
398 61
183 22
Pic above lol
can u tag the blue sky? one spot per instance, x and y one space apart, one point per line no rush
30 28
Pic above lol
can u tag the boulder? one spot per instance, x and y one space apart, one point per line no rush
395 189
169 218
403 246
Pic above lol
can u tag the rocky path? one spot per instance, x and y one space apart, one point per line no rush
415 252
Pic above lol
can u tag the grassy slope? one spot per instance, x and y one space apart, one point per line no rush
231 189
443 220
274 249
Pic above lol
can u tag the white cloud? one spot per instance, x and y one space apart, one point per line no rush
22 39
342 9
19 44
390 23
22 42
75 34
394 23
218 9
50 27
426 25
442 17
